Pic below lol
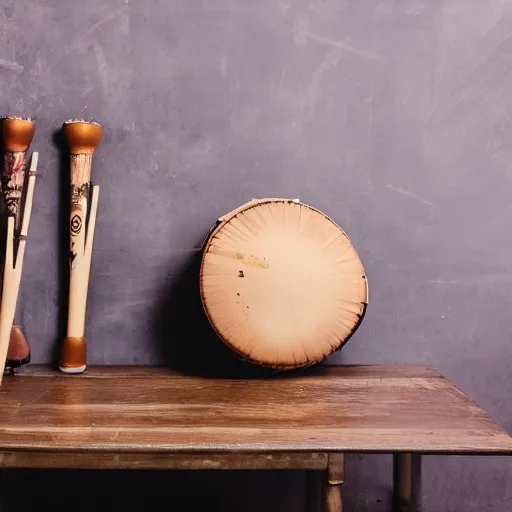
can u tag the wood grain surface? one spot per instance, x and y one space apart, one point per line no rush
120 410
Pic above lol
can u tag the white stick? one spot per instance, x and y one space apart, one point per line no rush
80 275
9 293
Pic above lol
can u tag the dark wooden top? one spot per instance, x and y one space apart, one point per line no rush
151 410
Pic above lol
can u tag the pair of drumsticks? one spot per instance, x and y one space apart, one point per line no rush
82 138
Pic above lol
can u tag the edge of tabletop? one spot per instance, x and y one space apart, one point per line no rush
253 450
137 371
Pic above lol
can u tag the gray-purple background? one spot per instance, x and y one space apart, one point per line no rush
393 117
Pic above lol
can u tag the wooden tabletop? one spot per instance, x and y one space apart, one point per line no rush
324 409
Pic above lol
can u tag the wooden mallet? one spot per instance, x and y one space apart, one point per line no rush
13 267
83 138
18 133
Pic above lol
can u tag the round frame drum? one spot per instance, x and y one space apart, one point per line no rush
281 283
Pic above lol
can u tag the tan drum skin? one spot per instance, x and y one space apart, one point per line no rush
281 283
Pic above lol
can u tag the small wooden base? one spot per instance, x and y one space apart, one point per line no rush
73 355
18 352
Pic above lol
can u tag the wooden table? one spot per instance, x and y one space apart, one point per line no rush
138 417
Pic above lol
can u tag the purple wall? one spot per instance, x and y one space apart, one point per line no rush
391 117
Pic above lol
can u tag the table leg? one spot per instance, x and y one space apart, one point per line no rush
332 498
407 482
313 490
2 474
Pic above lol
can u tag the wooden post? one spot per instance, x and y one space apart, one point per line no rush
333 501
407 482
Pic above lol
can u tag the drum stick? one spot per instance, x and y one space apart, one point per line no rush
82 138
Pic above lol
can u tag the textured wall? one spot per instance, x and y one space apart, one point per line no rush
391 117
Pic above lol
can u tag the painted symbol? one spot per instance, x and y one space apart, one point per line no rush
76 224
12 206
72 257
79 192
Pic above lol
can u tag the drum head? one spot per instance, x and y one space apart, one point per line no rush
281 283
